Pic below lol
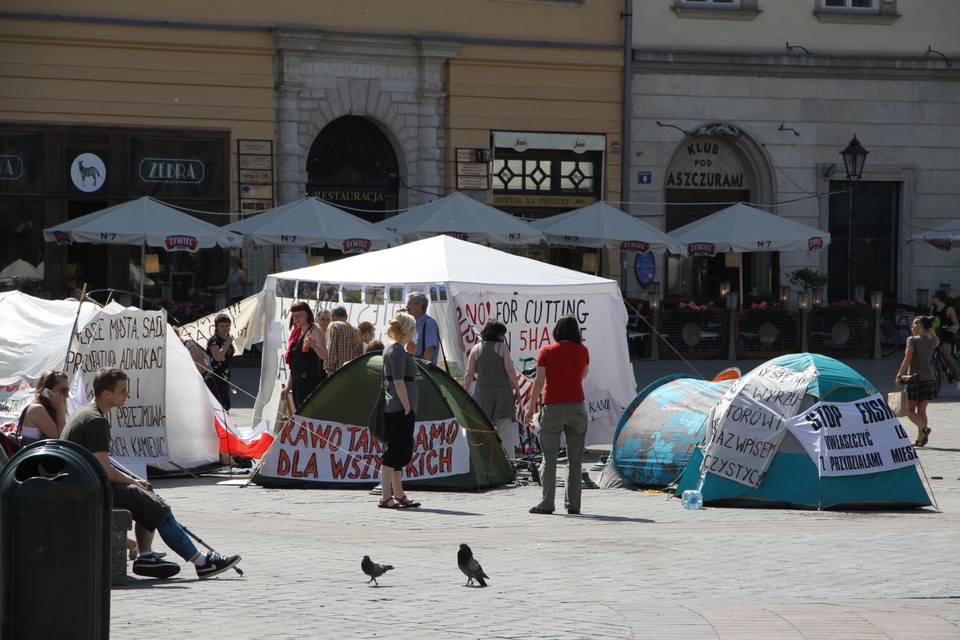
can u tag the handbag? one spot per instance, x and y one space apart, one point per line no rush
377 422
898 403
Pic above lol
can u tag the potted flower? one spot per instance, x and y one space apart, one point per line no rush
194 306
845 309
808 279
766 310
693 312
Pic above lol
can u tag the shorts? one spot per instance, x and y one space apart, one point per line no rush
919 391
946 335
146 508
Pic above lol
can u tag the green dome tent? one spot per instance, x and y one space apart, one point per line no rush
791 480
328 445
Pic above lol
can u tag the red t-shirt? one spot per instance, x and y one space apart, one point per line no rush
564 363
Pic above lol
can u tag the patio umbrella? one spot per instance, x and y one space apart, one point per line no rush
311 222
22 270
601 226
744 229
144 222
463 218
944 237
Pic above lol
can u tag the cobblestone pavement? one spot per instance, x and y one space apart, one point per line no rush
634 565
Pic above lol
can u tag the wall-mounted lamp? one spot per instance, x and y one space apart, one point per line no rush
803 300
724 287
666 124
859 291
151 263
817 296
654 292
945 287
791 47
923 299
829 171
785 294
876 300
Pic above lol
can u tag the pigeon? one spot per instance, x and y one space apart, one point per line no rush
374 570
470 567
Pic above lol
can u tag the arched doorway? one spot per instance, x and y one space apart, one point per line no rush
717 166
353 165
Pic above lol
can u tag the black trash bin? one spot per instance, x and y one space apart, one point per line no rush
55 514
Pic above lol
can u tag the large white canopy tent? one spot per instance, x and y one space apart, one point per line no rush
469 284
147 223
462 217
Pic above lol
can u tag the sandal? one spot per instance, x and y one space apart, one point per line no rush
926 436
917 444
406 503
389 503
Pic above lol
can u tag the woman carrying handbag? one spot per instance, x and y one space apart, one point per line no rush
916 371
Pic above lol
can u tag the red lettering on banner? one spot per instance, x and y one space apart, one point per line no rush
534 338
283 464
356 467
446 460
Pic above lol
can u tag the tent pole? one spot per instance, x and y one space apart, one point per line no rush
143 257
76 321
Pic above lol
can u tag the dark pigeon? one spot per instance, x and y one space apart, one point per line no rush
470 567
373 569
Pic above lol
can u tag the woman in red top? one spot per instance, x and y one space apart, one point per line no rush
562 366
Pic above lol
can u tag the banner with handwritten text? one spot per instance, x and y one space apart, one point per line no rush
306 449
747 425
853 438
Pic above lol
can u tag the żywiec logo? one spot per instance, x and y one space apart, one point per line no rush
356 245
181 243
459 235
940 243
61 237
634 245
816 242
701 249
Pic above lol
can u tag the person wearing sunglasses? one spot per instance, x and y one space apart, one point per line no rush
44 418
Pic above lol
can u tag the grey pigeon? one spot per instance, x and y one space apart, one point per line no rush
470 567
374 570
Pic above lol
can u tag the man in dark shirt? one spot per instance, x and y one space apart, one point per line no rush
89 427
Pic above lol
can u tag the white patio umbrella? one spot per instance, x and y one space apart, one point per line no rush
144 222
311 222
600 226
744 229
464 218
944 237
22 270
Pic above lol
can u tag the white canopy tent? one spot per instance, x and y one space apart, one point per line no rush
168 417
945 237
461 217
600 226
145 222
468 285
311 222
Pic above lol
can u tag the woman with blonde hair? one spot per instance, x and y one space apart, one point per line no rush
400 409
45 417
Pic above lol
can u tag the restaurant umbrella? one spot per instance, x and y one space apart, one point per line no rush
743 229
464 218
147 223
944 237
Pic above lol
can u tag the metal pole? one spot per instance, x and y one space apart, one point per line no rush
850 260
627 104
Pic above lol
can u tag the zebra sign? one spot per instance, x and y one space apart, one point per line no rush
88 172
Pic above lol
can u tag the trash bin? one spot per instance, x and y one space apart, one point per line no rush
55 513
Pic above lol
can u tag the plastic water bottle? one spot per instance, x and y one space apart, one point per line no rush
692 499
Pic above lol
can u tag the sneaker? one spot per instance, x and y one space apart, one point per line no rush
216 564
153 567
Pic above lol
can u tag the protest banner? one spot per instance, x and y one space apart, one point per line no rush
853 438
747 425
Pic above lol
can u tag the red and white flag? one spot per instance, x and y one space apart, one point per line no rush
246 443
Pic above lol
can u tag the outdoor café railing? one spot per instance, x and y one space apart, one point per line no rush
767 334
693 335
840 333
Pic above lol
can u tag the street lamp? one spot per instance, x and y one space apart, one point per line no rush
784 294
854 157
724 288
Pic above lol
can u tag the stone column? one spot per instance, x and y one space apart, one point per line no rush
291 158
